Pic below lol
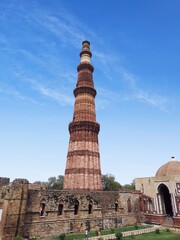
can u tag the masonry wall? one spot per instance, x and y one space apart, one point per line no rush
3 183
64 211
14 209
109 210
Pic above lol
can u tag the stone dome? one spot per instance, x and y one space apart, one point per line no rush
171 168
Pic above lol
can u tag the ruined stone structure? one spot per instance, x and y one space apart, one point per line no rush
162 206
14 198
3 183
42 212
29 211
83 161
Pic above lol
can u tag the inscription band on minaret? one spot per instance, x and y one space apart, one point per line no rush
83 169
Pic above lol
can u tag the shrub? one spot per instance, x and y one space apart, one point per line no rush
18 238
136 227
112 230
62 236
118 235
167 230
157 231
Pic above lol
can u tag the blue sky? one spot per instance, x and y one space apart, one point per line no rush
136 56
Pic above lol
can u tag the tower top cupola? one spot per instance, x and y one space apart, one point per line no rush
85 54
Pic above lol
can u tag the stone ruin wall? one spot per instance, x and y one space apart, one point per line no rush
21 207
14 199
3 183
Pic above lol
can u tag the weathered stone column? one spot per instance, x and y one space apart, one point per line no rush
14 210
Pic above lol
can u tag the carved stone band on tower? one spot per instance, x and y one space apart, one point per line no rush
83 169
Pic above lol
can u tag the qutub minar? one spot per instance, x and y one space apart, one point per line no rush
83 169
34 211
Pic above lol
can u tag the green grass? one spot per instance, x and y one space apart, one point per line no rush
123 229
154 236
163 235
103 232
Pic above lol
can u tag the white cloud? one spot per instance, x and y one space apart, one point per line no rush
13 93
56 95
64 26
142 95
69 30
130 79
152 99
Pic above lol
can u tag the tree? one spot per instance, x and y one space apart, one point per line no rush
53 182
56 183
109 183
41 183
130 186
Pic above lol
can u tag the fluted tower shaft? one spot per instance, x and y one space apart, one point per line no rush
83 169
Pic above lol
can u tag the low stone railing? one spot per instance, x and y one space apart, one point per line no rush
126 234
173 229
140 231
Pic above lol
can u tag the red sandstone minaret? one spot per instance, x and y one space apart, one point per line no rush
83 169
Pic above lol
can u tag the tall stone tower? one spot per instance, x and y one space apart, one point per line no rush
83 169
